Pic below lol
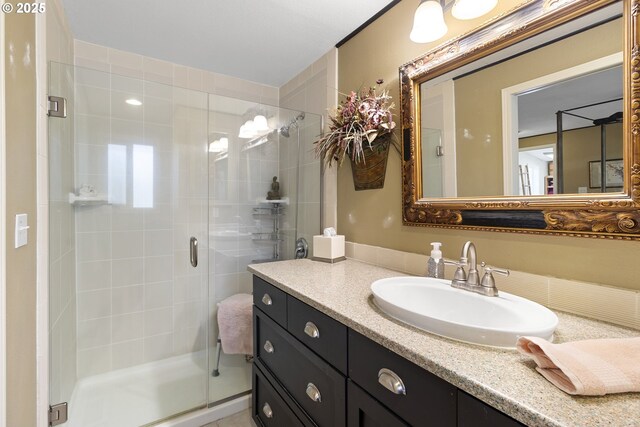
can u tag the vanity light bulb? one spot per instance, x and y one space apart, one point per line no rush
247 130
260 123
219 145
428 23
470 9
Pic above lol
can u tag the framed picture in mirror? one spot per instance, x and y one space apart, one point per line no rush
614 172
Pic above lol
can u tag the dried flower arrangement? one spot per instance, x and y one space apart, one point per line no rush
359 122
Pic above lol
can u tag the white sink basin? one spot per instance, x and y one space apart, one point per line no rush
434 306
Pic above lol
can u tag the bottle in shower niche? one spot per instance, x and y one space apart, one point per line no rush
435 265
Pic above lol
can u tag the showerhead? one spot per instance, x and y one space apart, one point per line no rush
284 130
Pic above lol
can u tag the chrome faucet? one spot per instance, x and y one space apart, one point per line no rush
470 281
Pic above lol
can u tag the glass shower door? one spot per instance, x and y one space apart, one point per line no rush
128 192
248 224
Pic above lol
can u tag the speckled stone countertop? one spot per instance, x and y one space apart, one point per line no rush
504 379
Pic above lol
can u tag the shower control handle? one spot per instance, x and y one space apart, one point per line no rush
193 251
266 409
268 347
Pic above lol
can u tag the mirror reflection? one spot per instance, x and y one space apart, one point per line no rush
537 120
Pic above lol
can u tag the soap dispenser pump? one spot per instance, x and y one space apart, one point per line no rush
435 265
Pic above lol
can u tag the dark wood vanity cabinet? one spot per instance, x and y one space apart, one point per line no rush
310 370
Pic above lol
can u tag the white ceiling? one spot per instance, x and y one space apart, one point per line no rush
265 41
537 109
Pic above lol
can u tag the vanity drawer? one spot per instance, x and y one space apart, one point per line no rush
420 398
475 413
322 334
269 409
271 300
365 411
317 388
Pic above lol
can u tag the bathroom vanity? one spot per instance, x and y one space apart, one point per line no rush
325 355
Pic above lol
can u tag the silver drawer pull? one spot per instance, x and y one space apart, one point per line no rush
312 330
391 381
266 300
268 347
266 409
313 393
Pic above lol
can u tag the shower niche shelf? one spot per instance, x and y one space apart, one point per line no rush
268 237
95 200
283 201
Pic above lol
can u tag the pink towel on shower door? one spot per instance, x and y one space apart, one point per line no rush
235 324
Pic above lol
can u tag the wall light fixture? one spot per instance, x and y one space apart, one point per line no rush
428 20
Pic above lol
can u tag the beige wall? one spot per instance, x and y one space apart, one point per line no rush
374 217
580 146
20 113
480 156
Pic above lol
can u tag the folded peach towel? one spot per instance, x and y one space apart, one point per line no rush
236 324
590 367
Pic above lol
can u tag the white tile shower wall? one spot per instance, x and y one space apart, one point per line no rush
128 64
139 300
314 91
147 273
609 304
55 169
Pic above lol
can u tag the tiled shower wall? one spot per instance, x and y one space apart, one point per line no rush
61 248
313 90
138 298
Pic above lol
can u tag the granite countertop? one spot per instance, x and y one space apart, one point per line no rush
503 379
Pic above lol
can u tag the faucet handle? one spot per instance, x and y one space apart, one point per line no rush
487 280
459 274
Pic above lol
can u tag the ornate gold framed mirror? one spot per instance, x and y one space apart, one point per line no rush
528 124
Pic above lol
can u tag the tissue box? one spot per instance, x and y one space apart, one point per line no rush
328 249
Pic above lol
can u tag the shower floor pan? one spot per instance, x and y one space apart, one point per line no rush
145 394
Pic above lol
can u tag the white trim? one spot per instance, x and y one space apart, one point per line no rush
209 415
3 240
510 112
42 218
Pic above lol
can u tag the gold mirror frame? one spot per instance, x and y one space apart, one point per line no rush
611 215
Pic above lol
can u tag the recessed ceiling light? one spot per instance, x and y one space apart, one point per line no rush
133 101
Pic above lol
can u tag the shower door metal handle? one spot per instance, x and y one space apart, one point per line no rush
193 251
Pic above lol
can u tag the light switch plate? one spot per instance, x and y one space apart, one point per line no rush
22 229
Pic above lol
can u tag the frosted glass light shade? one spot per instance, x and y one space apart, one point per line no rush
260 123
470 9
247 130
219 145
428 23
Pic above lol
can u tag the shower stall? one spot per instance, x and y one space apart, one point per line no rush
159 199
